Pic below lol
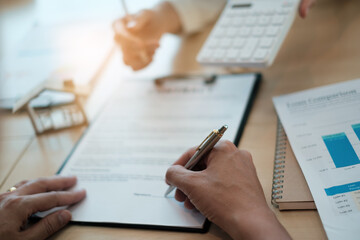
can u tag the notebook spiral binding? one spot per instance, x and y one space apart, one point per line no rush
279 161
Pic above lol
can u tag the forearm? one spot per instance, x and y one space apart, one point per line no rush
261 224
169 19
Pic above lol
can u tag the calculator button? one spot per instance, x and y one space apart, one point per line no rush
207 54
269 12
246 54
219 54
213 43
264 20
278 20
238 21
252 43
244 13
258 13
260 54
230 14
231 32
232 55
272 31
266 42
283 12
244 32
258 31
250 21
239 42
225 22
249 48
220 32
288 4
225 43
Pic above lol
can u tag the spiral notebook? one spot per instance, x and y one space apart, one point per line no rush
290 190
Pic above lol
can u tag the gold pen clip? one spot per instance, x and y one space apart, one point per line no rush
215 131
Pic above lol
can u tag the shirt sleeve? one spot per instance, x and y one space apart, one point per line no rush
196 14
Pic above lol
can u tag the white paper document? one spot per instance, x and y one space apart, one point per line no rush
323 126
122 159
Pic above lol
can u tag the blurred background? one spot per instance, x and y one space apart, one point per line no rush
59 39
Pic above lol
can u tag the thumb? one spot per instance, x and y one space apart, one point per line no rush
49 225
182 178
137 23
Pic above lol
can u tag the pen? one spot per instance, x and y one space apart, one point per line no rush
130 23
202 149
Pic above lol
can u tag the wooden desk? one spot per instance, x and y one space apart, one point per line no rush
320 50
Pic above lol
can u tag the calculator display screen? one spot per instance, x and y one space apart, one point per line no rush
242 5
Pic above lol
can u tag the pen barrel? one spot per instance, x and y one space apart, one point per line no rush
200 153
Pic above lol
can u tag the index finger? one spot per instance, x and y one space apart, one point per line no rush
54 183
45 201
184 158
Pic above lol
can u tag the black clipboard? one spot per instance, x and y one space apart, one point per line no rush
206 225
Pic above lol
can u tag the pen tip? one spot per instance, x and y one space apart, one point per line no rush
169 190
223 129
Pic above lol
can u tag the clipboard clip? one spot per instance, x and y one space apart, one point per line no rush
208 79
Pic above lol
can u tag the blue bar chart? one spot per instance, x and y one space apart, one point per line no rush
356 129
351 187
341 150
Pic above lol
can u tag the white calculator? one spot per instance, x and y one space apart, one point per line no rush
249 33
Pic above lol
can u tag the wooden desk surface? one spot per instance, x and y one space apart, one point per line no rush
320 50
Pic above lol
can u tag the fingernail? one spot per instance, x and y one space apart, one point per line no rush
64 217
84 192
80 190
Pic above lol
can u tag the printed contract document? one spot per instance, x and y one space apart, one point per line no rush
122 159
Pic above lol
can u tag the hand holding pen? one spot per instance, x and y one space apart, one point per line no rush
201 151
227 191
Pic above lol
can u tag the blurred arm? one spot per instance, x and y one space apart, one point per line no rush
196 14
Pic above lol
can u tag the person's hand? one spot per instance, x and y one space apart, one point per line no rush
34 196
138 35
138 45
225 189
305 6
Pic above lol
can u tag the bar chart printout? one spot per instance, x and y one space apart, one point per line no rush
322 125
341 150
356 128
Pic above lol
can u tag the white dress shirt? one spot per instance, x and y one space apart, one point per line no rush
196 14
